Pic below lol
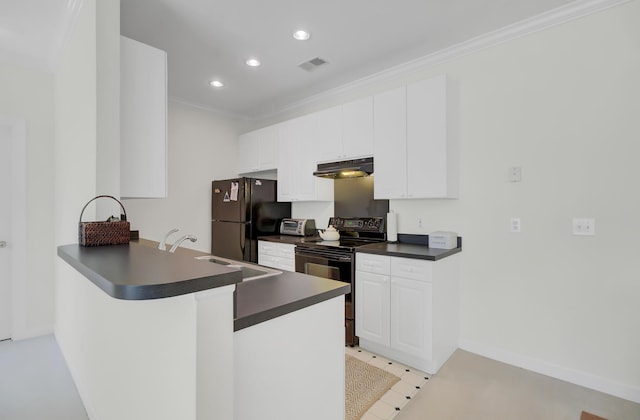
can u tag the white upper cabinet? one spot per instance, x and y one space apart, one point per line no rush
143 120
328 139
296 163
357 128
432 153
345 132
258 150
390 158
415 149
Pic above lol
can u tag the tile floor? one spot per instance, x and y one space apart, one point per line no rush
400 395
472 387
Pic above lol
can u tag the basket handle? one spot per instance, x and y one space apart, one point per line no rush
106 196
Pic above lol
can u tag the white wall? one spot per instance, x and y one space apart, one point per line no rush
75 182
108 105
27 93
563 104
202 147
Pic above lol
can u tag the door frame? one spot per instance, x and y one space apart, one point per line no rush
18 236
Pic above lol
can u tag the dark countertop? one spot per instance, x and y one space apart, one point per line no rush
289 239
140 271
270 297
397 249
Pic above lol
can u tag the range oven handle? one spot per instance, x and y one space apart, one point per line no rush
329 255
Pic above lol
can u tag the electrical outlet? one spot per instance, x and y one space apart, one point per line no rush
515 225
584 226
419 222
515 174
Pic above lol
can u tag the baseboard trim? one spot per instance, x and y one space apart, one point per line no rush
587 380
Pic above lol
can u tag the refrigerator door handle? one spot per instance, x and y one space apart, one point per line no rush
243 238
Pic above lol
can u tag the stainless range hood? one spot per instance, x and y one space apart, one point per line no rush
354 168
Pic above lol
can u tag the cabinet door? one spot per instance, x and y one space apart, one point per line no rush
143 120
306 163
286 161
328 134
247 153
427 157
390 133
296 164
411 317
357 128
372 307
267 148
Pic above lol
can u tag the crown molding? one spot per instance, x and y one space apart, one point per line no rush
543 21
221 112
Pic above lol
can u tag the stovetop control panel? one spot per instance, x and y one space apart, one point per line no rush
358 224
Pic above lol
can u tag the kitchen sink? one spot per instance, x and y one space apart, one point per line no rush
249 271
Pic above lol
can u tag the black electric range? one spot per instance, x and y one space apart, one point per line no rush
336 259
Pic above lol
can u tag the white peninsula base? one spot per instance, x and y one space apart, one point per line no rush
292 367
179 358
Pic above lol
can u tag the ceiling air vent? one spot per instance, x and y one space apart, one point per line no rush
312 64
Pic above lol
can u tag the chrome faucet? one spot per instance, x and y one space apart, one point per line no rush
181 240
162 246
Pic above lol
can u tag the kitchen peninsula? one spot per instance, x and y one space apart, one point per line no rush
170 336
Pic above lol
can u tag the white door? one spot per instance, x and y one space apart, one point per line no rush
5 231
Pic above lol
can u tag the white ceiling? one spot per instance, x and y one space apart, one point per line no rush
206 39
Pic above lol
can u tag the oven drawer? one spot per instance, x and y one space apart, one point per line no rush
371 263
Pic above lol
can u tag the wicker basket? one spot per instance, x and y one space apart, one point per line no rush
103 233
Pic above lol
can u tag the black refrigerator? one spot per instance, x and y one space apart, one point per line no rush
242 209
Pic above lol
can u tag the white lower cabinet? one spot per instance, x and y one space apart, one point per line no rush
411 321
372 292
407 309
277 255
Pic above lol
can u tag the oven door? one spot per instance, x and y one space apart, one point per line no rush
330 264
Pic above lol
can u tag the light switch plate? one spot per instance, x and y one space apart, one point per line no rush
515 225
515 174
584 226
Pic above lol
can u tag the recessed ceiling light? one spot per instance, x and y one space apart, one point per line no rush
301 35
252 62
216 83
